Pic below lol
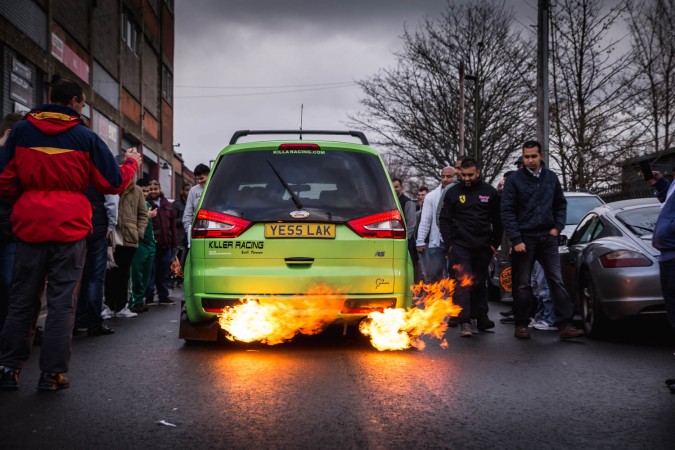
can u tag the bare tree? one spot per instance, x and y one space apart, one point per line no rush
413 107
652 26
592 95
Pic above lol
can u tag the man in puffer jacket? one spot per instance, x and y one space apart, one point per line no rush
534 211
51 158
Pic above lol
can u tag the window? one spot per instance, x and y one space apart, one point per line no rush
167 85
131 33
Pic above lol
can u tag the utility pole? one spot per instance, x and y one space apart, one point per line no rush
461 109
542 76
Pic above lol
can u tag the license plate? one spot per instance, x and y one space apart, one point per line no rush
300 230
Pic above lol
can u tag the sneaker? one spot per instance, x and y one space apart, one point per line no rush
484 323
474 326
52 382
9 378
543 325
465 330
166 301
522 332
139 309
100 330
508 313
106 313
125 313
532 322
150 302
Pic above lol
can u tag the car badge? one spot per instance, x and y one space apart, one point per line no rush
299 214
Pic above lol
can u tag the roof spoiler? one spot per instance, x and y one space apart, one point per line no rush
242 133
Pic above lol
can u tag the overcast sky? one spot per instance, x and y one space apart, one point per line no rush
250 64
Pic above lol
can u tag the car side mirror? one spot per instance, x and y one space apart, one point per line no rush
562 239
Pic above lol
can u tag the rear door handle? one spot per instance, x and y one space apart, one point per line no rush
299 261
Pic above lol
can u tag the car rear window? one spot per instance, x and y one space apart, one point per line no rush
641 221
578 206
334 185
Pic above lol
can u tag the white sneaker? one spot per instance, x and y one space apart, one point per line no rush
543 325
474 326
106 313
532 322
125 312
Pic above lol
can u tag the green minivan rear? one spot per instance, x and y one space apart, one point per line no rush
278 218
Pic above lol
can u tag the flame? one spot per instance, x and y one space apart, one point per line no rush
398 329
273 320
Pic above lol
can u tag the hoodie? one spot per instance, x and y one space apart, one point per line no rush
49 161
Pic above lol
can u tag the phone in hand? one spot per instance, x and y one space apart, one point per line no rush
153 207
646 169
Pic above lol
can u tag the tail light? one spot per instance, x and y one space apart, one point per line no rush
386 225
211 224
624 258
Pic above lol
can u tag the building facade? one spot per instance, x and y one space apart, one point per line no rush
120 51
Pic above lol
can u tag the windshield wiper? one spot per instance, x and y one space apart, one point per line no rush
295 198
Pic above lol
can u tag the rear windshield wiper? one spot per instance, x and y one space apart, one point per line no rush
295 198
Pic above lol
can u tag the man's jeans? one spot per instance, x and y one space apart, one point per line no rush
90 300
434 262
667 269
474 263
7 254
545 250
543 295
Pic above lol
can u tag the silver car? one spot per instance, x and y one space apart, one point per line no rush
609 265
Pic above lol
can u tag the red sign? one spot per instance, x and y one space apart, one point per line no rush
70 59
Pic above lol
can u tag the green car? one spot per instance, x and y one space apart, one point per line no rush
279 217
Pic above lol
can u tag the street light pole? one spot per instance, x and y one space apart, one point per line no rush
542 77
461 109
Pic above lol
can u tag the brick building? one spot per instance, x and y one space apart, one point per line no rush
120 51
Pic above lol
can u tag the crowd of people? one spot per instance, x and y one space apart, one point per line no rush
461 223
79 234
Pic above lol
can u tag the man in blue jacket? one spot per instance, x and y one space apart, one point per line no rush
664 241
534 211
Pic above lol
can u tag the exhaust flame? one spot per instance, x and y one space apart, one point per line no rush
278 320
398 329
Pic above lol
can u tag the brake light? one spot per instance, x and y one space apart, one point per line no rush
386 225
299 147
211 224
624 258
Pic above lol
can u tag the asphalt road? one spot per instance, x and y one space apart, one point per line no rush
328 391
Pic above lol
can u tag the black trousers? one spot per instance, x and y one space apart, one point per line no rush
60 264
474 263
545 250
117 279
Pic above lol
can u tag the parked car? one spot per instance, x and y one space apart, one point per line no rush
279 216
609 265
499 286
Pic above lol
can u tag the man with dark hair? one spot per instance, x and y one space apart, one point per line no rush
201 175
7 238
49 161
472 230
164 229
534 211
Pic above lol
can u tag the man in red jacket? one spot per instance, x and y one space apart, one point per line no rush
49 161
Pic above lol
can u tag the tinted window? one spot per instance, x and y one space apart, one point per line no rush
640 221
332 185
586 231
577 207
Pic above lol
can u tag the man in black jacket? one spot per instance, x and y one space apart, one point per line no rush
534 211
471 228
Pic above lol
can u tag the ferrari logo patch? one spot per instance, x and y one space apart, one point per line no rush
462 199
